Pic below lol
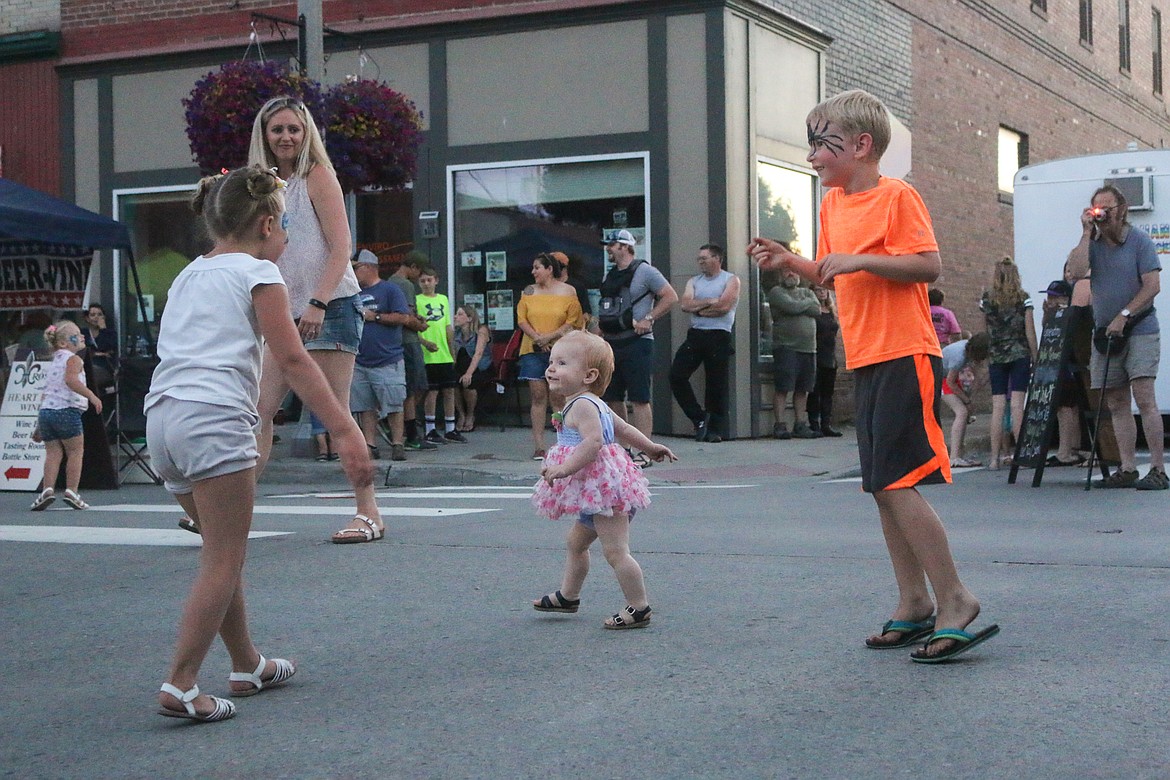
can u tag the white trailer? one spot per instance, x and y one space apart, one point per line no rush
1048 201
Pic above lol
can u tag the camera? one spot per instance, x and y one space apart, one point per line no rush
1100 214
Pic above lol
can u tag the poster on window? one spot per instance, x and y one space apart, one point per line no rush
471 259
475 301
500 314
497 266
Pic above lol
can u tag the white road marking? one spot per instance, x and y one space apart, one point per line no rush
392 511
157 537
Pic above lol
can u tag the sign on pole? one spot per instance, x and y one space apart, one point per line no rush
22 460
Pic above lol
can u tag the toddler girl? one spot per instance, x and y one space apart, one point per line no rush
587 474
201 418
59 420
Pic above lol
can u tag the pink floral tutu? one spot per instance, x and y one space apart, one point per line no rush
611 483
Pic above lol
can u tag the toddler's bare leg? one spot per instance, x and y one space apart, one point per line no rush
614 533
577 545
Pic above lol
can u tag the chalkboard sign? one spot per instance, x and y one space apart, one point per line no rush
1039 425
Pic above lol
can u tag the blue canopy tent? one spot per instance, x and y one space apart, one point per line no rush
32 216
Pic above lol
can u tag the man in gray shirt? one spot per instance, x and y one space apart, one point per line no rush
1125 279
633 348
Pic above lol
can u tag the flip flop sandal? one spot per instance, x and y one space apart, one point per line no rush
555 602
911 633
359 535
284 671
964 641
187 524
224 709
629 618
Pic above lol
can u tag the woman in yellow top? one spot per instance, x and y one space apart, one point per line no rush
547 310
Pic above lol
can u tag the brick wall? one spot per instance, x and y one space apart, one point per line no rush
27 15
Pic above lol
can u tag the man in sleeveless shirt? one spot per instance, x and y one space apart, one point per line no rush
710 298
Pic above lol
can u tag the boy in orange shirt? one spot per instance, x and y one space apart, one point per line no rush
877 248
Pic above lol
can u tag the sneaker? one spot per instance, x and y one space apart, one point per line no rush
420 444
1154 480
434 437
455 436
1119 479
43 500
74 500
713 438
702 428
803 431
780 431
397 452
828 430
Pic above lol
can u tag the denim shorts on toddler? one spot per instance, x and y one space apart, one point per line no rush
59 424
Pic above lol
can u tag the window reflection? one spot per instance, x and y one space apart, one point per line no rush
787 204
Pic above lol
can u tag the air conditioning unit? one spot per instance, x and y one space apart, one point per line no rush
1136 186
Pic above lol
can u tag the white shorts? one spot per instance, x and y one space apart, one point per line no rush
191 441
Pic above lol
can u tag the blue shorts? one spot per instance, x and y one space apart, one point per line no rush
586 519
1010 377
633 365
342 329
532 366
57 424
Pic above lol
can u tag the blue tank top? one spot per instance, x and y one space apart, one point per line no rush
571 437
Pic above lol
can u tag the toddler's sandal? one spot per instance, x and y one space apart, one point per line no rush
629 618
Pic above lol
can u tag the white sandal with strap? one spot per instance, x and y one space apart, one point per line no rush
371 533
284 671
224 709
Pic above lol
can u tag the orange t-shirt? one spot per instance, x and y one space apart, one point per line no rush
881 319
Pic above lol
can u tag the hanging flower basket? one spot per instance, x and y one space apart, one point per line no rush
372 134
224 103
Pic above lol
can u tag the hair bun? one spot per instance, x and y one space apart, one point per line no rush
262 183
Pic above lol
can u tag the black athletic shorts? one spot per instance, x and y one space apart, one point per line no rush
899 435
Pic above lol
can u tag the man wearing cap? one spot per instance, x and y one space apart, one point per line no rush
710 298
379 376
1125 268
633 348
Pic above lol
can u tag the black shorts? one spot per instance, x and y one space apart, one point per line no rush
793 371
633 365
899 435
440 376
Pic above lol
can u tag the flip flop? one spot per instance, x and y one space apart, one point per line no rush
911 633
187 524
964 641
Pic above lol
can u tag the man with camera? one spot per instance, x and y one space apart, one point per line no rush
1125 270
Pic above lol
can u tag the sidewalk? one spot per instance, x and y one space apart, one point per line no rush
492 456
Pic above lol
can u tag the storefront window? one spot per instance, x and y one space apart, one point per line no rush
505 215
166 236
788 203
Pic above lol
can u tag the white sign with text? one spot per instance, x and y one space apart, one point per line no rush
22 460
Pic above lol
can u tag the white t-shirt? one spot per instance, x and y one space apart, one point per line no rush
209 344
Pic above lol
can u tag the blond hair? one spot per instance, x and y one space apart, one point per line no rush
598 354
230 203
1006 289
854 112
59 332
312 150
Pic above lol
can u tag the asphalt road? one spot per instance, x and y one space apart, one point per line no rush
420 657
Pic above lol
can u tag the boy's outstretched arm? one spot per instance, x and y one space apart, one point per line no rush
629 436
922 267
772 256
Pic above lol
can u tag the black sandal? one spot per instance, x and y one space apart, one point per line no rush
555 602
630 618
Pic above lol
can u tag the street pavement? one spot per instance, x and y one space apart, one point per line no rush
420 656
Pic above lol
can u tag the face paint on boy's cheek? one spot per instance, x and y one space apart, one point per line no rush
820 135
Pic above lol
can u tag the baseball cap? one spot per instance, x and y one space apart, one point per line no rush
1059 287
366 257
621 237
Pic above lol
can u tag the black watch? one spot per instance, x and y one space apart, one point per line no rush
318 304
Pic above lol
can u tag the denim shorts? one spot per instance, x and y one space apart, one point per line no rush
532 366
58 424
342 329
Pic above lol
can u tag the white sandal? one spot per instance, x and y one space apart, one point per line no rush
284 671
43 500
224 709
74 500
371 533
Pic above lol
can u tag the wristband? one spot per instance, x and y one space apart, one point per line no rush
318 304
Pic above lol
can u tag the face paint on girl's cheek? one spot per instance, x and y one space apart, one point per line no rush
819 135
284 221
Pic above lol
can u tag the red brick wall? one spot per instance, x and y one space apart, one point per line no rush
29 125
